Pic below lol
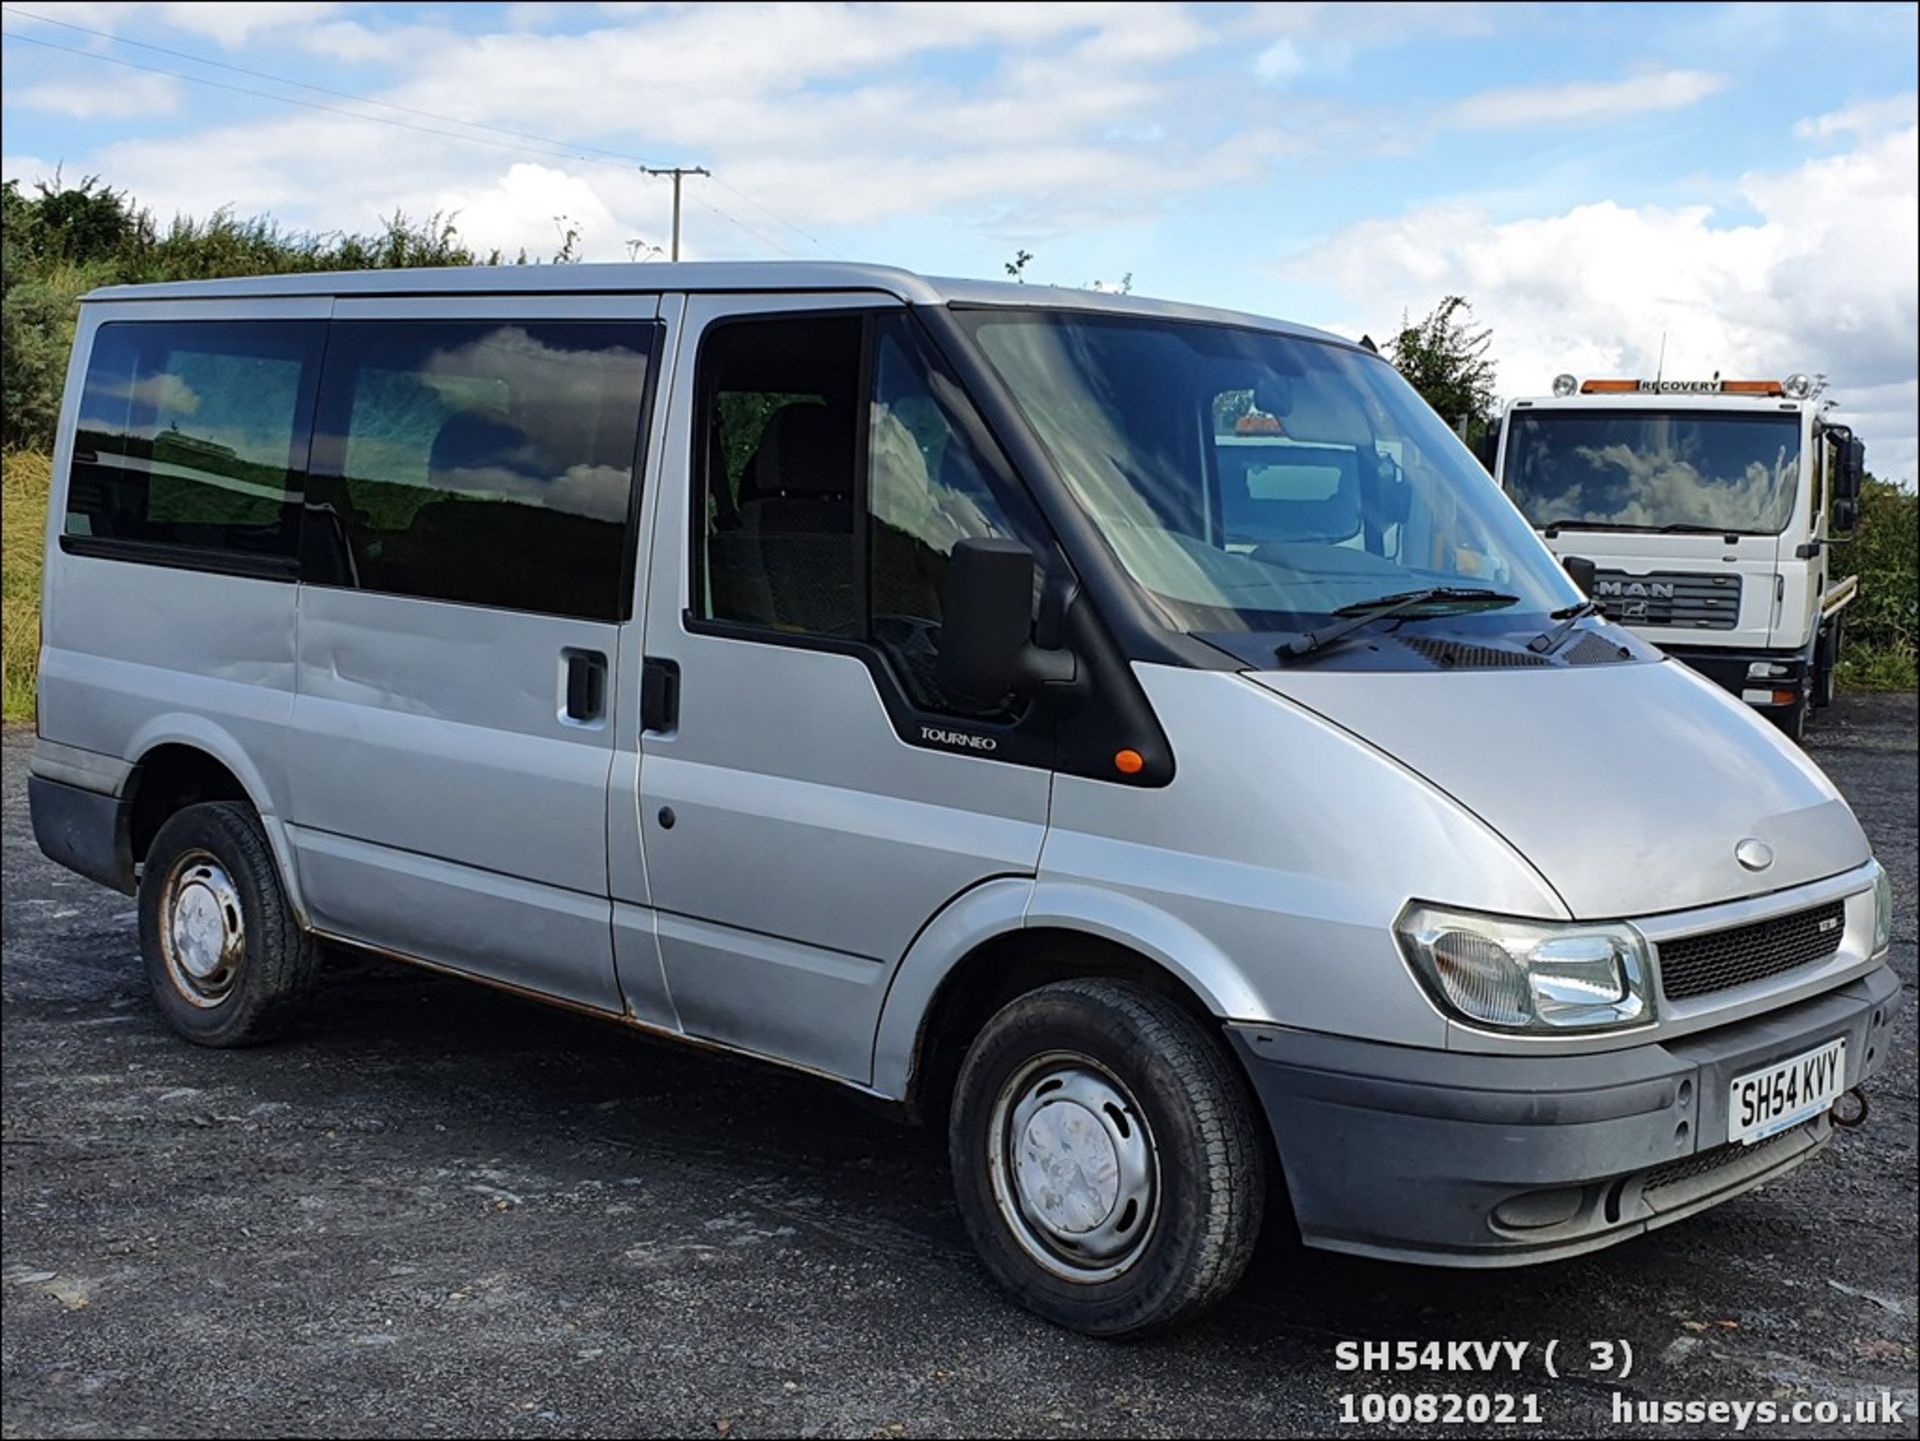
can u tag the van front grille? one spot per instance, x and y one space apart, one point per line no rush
1720 960
1670 597
1756 1157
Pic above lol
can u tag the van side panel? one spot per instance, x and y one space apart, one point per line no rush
415 734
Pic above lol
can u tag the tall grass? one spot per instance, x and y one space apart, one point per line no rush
24 487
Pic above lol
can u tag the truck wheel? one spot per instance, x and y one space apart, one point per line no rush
1793 720
1106 1158
228 963
1826 663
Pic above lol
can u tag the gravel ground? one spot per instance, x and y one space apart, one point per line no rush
439 1211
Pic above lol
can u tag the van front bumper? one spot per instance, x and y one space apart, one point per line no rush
1455 1159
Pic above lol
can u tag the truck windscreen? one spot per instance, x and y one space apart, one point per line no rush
1647 469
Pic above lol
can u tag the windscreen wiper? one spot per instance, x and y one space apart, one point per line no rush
1573 522
1571 616
1687 527
1449 600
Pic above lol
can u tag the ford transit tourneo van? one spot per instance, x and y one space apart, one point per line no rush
1138 738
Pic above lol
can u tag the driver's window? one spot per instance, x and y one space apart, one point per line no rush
928 489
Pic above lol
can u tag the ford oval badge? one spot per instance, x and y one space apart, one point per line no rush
1755 855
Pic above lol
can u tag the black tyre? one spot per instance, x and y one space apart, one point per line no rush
1106 1158
1826 663
1793 720
228 963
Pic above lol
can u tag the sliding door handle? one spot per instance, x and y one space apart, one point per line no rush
586 686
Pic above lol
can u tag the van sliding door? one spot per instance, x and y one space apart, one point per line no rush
467 553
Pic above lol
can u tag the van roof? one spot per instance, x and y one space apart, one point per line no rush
701 277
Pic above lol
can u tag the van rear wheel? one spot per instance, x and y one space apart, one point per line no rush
228 963
1106 1159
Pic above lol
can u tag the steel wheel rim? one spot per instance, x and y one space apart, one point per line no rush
203 935
1074 1169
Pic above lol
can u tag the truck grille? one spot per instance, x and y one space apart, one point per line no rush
1670 597
1720 960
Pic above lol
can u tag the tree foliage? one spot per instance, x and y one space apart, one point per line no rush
1883 623
1444 357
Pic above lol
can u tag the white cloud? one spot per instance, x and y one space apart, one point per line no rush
351 42
1872 117
25 168
124 96
233 24
821 113
1824 279
1584 102
1279 62
523 210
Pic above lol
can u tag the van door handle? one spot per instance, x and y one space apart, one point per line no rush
659 695
586 698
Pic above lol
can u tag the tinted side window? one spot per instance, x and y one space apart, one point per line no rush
194 434
928 489
486 462
832 496
779 406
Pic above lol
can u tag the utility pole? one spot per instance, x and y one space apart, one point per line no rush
677 172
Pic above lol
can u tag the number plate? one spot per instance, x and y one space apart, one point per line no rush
1765 1103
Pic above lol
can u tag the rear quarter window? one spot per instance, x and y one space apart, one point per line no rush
193 435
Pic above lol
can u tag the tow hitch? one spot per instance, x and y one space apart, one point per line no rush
1850 1111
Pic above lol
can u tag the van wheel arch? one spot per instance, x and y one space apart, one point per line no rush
170 778
1009 965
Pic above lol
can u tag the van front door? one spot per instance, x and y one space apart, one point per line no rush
467 557
808 799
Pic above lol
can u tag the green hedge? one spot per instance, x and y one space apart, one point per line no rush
1883 623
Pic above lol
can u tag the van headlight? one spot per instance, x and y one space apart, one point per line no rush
1882 910
1527 975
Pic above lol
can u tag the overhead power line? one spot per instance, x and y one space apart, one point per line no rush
296 84
553 149
308 104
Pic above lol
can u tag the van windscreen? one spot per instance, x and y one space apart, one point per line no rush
1255 481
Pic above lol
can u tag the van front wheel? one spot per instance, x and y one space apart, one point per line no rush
228 963
1106 1158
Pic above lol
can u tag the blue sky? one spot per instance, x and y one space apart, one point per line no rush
1739 179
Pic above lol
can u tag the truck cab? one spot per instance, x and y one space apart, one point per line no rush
1709 510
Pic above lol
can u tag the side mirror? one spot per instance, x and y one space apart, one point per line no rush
1846 515
1850 470
986 629
1582 570
1486 449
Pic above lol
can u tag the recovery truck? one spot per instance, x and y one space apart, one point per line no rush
1708 510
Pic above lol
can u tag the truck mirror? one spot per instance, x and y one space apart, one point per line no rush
1851 472
1486 449
1846 515
1581 570
986 628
